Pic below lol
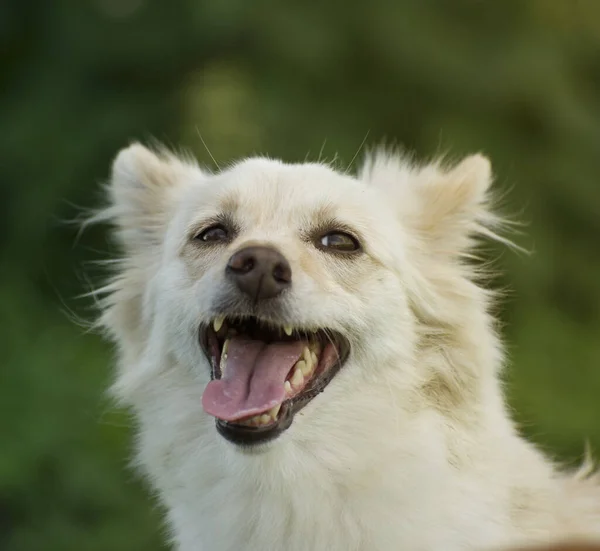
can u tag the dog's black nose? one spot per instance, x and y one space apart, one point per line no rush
260 272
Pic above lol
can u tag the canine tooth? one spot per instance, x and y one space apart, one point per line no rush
218 323
288 330
225 347
314 359
264 419
306 354
274 412
297 378
288 387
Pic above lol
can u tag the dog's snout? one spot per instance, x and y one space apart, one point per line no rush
260 272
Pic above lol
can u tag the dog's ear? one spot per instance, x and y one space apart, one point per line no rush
142 190
453 204
446 206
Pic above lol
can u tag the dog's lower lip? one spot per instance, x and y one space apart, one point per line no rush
244 434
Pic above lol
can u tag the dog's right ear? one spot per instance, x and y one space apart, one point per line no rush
142 190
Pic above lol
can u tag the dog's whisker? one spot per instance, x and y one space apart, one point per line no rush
321 150
357 152
207 150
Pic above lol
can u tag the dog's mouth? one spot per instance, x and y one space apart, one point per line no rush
262 374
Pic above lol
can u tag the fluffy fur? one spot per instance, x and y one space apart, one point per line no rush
410 446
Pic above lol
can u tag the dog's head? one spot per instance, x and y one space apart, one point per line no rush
271 287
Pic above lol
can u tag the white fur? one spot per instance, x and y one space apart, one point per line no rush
410 446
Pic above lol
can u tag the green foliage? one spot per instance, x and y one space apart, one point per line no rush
519 81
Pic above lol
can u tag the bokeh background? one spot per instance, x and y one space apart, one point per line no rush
518 80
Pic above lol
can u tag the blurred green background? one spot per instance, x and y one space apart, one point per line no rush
518 80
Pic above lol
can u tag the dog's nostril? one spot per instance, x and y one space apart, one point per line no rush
241 263
248 265
282 273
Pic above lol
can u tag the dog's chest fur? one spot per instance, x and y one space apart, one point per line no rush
227 502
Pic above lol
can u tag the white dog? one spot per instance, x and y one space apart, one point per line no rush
312 364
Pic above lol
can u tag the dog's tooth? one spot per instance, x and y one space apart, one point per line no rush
265 419
223 362
255 421
303 367
288 388
314 359
306 354
274 412
288 330
218 323
298 378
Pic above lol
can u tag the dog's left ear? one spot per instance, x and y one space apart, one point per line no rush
453 203
446 206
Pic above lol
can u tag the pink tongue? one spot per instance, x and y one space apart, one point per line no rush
253 380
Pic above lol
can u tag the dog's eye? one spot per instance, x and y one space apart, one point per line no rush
339 242
214 234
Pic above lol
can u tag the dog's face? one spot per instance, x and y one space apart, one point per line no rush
281 286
